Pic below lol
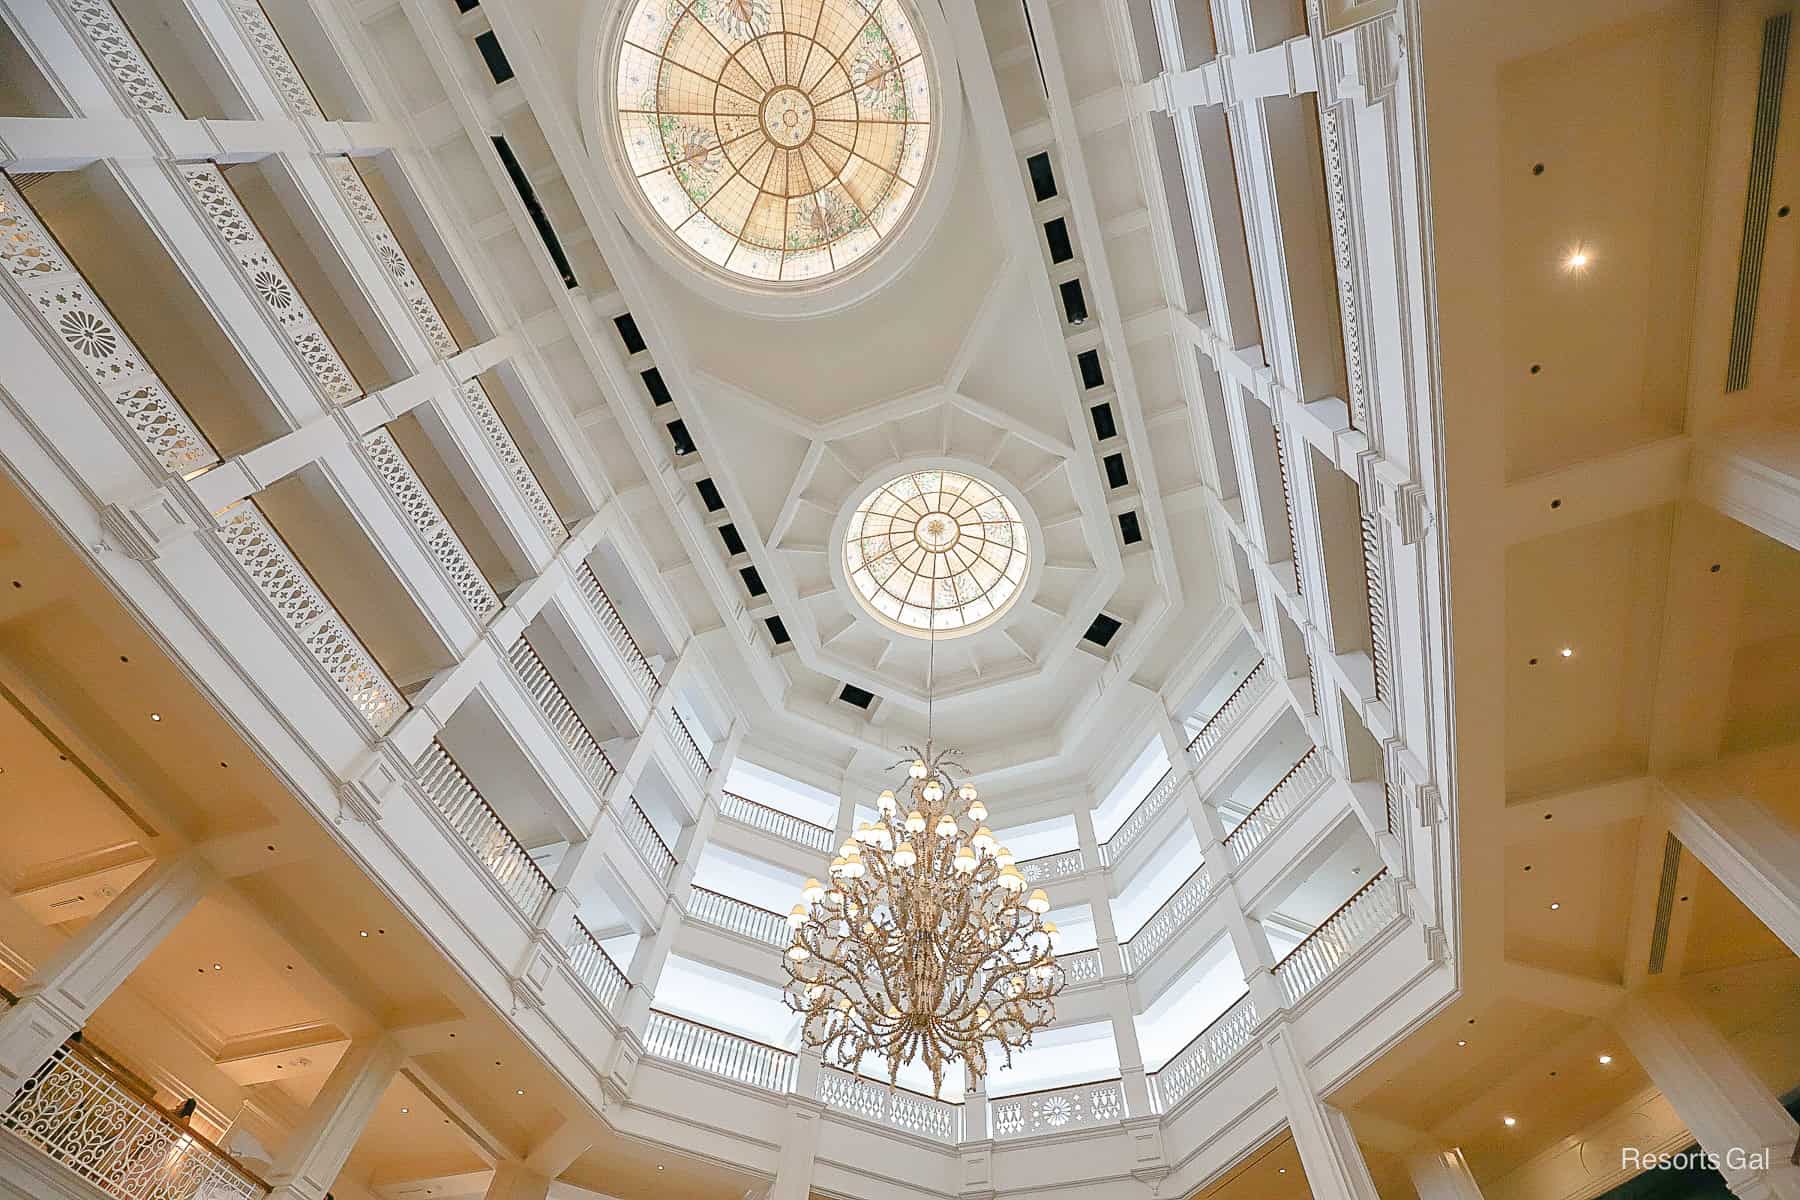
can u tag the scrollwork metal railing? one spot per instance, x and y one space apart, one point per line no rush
441 541
895 1107
745 811
717 1052
1081 967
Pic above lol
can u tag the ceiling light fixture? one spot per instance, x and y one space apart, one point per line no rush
156 716
1606 1060
1509 1122
926 944
1555 904
404 1111
362 933
1462 1041
1577 260
519 1092
1567 652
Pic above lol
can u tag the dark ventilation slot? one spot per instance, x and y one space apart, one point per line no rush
777 631
1036 55
1101 631
709 495
653 383
493 56
729 535
1665 904
1074 303
1757 199
1056 233
528 196
684 441
857 696
1129 529
752 581
1103 421
1091 374
628 333
1043 178
467 5
1115 470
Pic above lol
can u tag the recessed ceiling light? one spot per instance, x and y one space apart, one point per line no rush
659 1166
1567 652
1462 1041
1509 1122
362 933
1578 259
156 716
1605 1060
519 1092
218 967
1284 1170
1555 904
404 1111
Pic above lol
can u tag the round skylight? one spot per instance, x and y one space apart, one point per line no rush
778 141
936 549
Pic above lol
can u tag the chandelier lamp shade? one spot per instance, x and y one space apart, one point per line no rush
924 944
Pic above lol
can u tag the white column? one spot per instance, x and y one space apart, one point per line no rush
65 990
1442 1175
652 952
975 1109
516 1181
1730 1111
1752 851
799 1143
1334 1164
310 1162
1257 958
1120 1007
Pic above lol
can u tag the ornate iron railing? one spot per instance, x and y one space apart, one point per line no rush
589 585
72 315
79 1112
1051 867
648 843
704 1048
1374 907
687 747
479 827
1126 835
895 1108
1081 967
1252 688
1202 1058
1161 928
380 235
283 75
302 606
1302 780
560 715
1058 1109
595 967
480 407
118 51
737 916
427 519
745 811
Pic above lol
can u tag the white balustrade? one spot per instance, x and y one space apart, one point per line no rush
481 410
737 916
427 519
639 667
687 747
1168 920
1057 1110
1052 867
1081 967
1303 779
287 586
704 1048
1374 907
642 836
479 827
1375 574
1114 848
380 235
896 1108
595 967
560 715
117 50
78 1112
72 316
1252 688
734 807
254 24
1206 1055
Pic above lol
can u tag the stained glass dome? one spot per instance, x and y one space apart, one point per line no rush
936 550
777 140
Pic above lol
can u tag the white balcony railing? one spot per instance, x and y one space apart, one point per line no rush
480 407
1303 779
1375 574
479 827
1168 920
254 23
560 715
1374 907
375 228
895 1108
744 811
687 747
1051 867
311 617
1205 1056
641 671
595 967
116 50
642 836
1252 688
82 1114
716 1052
737 916
1081 967
71 316
1126 835
427 519
1058 1109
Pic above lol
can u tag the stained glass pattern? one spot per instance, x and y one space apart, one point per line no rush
936 550
779 140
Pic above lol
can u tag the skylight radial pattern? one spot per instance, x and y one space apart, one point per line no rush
936 549
778 140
